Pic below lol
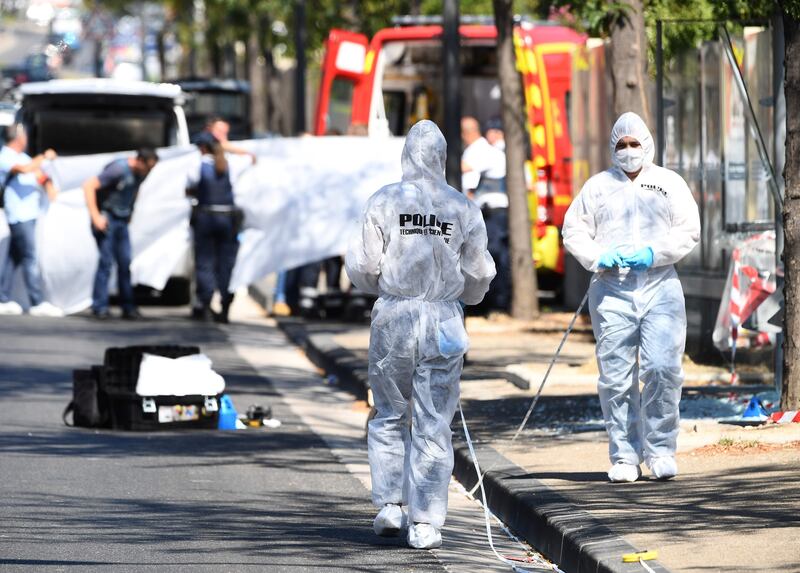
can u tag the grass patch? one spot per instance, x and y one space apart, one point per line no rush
738 444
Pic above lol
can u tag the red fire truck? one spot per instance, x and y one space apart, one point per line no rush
381 87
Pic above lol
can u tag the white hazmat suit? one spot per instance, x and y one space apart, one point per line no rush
638 311
422 248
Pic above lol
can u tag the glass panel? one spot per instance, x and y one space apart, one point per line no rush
413 74
395 105
210 104
734 142
81 133
758 76
340 109
713 255
591 115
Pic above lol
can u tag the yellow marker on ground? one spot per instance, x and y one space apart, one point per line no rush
640 556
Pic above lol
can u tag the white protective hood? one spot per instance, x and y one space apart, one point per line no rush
424 154
421 238
631 125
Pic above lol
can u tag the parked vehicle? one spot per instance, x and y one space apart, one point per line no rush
34 68
81 117
388 83
228 99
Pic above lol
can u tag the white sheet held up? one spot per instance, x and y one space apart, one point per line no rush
301 201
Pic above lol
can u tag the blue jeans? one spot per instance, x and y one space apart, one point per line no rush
115 246
22 251
280 287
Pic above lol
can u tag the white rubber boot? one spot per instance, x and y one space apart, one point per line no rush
622 472
424 536
389 521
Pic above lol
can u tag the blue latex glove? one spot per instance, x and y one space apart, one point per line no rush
640 260
610 260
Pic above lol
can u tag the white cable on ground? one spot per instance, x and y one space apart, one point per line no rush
647 568
486 513
541 386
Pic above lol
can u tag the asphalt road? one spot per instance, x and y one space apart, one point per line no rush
83 500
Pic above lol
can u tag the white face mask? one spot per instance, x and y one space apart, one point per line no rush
630 159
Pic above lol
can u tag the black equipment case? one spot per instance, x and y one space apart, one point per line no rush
121 408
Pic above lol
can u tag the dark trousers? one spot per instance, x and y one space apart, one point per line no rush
22 251
114 245
309 274
215 248
499 295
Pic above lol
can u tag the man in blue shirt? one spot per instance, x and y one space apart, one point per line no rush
23 180
110 198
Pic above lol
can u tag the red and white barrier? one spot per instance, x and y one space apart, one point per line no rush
785 417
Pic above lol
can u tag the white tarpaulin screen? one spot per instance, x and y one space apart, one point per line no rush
301 202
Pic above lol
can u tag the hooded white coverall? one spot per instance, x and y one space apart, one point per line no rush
636 314
422 248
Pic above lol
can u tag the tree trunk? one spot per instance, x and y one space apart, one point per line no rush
162 55
525 301
629 61
257 76
790 396
215 53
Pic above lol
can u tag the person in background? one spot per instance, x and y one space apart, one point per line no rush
309 274
483 166
280 304
220 129
215 224
23 180
110 198
495 135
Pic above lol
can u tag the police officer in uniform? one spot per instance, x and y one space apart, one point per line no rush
215 223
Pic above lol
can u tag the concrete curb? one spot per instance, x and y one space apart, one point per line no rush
574 539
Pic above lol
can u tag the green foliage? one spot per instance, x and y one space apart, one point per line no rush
593 17
680 37
596 17
792 8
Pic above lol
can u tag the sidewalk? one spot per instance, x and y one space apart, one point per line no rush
734 506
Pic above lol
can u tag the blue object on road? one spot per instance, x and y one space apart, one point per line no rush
755 410
227 414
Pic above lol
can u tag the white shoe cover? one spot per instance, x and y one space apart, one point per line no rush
663 467
389 521
624 472
46 309
424 536
10 308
